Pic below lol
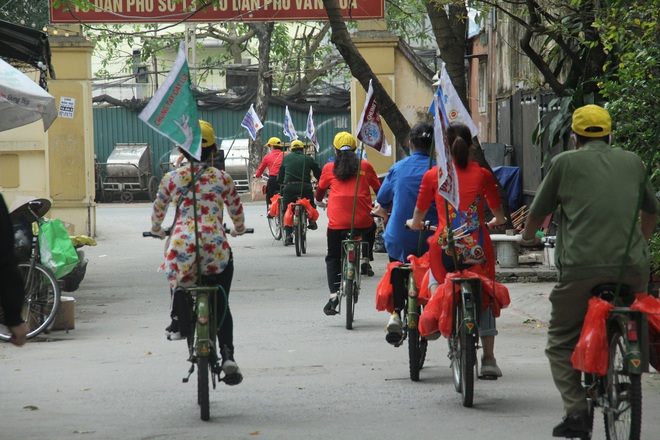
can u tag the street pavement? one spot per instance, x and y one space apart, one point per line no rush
116 376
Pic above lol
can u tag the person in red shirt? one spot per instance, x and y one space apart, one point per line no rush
340 177
476 186
272 162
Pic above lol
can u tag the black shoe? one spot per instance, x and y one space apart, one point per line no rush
288 241
230 368
331 307
365 269
575 424
312 225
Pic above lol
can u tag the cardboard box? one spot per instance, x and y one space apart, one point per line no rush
65 318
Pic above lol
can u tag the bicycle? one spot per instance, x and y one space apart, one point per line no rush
619 392
199 315
42 291
276 223
349 287
300 228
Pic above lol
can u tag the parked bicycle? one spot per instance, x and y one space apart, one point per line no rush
200 317
42 291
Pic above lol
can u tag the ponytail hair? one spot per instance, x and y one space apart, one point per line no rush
421 136
346 164
459 138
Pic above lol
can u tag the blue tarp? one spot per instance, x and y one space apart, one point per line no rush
510 179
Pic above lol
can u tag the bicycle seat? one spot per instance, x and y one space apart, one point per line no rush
606 291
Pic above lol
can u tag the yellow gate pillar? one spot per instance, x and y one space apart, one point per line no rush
71 137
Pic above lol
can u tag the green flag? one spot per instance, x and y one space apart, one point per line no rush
172 111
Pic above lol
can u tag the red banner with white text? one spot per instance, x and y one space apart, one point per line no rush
171 11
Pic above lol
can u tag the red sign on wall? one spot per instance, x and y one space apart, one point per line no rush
168 11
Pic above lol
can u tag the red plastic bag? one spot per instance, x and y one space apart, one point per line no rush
274 209
288 215
384 291
419 267
312 213
591 352
651 306
423 292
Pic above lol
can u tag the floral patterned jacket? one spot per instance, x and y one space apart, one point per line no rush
214 190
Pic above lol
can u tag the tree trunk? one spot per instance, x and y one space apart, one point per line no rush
363 73
264 87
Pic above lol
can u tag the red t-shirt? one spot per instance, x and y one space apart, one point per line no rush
342 192
272 161
476 186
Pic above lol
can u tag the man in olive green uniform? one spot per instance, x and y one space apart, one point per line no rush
594 190
295 175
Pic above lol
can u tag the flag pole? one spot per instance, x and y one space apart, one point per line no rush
357 185
420 240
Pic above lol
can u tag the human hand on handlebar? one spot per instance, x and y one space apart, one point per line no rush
322 204
496 224
160 233
414 226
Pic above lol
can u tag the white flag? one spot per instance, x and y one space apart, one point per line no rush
451 105
370 128
310 132
289 129
447 178
252 122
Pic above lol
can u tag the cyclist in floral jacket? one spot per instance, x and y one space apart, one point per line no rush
214 190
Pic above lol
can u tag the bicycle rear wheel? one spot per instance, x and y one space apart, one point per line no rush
42 299
303 233
416 351
298 237
203 387
349 294
468 360
623 415
275 227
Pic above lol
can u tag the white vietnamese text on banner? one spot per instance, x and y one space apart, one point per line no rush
289 129
310 132
451 105
172 111
370 128
252 123
447 178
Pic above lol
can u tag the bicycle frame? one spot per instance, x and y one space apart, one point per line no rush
469 299
350 279
205 326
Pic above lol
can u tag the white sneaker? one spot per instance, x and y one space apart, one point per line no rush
394 325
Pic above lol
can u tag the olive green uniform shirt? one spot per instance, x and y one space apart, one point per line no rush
594 191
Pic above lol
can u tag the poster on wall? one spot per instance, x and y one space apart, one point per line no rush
67 107
171 11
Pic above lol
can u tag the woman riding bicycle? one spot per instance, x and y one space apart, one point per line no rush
271 161
476 185
214 190
340 177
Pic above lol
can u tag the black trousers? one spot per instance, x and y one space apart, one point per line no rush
272 188
333 257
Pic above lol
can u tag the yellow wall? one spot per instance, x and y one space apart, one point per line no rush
411 92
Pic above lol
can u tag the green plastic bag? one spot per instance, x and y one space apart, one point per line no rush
56 248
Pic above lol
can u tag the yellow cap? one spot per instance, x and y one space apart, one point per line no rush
274 142
208 135
296 144
344 141
591 121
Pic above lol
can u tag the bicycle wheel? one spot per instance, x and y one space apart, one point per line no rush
298 236
623 415
468 360
42 299
274 226
203 387
416 351
349 294
303 233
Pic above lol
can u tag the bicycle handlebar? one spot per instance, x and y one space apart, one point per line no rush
168 231
427 226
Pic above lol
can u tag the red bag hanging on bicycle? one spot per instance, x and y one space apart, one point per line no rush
312 213
274 209
591 352
384 290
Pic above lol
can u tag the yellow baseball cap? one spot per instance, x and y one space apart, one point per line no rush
296 144
344 141
591 121
275 142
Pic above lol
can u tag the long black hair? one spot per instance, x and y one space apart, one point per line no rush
346 164
459 138
421 136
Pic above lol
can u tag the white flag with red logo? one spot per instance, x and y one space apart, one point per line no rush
447 178
370 128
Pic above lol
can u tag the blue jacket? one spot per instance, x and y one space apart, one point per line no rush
399 191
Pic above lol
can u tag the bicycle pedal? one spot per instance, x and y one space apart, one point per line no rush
488 377
232 379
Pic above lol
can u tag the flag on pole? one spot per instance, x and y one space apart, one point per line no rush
252 122
447 178
370 128
451 105
172 111
289 129
310 132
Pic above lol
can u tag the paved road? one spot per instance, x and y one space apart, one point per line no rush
306 377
